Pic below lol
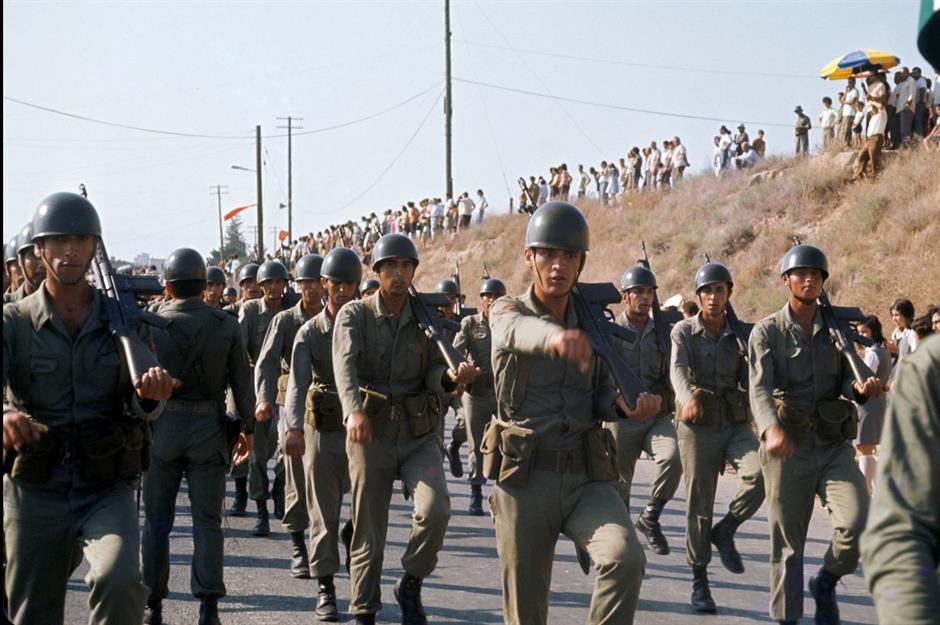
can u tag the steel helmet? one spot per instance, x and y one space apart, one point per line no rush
215 274
804 255
248 272
24 240
65 213
560 226
369 284
447 286
342 265
307 268
271 270
394 246
637 275
493 286
710 273
184 264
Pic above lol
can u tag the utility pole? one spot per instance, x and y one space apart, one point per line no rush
260 235
448 108
290 178
274 231
218 193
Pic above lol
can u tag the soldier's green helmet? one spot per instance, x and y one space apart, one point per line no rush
342 265
802 256
271 270
9 251
307 268
448 287
635 276
24 240
369 284
65 213
394 246
248 272
215 275
184 263
493 286
560 226
712 273
229 292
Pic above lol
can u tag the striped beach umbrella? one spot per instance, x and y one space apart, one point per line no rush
858 62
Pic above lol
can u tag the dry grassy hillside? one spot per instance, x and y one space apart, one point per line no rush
882 238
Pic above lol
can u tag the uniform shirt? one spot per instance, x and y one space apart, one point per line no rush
71 381
643 355
254 317
786 364
311 363
11 297
222 363
474 341
392 364
702 360
536 389
274 357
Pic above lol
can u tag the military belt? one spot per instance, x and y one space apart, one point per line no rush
207 406
560 461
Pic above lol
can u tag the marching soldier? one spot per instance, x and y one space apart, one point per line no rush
458 435
799 385
479 403
248 287
657 436
713 429
392 429
271 374
556 472
215 284
254 318
368 287
229 296
29 265
66 413
12 277
203 348
314 424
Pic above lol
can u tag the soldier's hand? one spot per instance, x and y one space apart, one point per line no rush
264 411
647 406
18 430
871 387
692 410
242 448
157 384
294 443
358 428
465 374
777 443
573 345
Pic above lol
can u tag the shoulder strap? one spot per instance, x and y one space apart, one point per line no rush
21 370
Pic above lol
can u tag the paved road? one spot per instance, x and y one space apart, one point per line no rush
465 588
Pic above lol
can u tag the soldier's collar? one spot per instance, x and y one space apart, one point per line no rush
794 324
190 303
325 320
698 326
624 320
571 318
44 311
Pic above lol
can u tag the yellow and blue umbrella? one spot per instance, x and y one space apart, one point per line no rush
857 62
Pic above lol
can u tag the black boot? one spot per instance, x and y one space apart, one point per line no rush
823 587
476 500
345 536
365 619
209 611
722 536
277 494
326 600
648 524
153 615
408 594
263 526
240 503
299 562
701 594
453 457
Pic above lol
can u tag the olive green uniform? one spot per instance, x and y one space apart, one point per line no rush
657 436
271 371
901 543
551 490
326 471
12 297
479 403
804 373
202 347
708 365
399 362
74 386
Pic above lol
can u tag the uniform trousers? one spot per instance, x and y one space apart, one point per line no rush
816 468
295 490
479 410
657 437
264 448
326 480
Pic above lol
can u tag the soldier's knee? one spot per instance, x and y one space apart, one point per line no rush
623 559
120 577
433 510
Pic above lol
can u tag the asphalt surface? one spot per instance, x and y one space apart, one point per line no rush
466 586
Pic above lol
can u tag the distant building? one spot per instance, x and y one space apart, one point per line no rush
145 261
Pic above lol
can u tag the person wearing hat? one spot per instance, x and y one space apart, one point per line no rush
479 403
229 297
13 277
313 419
65 390
802 128
740 138
556 471
368 287
453 400
203 348
29 265
800 392
657 436
247 286
215 285
390 378
714 428
271 374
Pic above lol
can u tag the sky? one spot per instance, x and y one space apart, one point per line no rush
367 80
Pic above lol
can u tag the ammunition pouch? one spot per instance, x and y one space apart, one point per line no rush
731 405
601 452
737 406
712 406
489 448
508 453
664 390
836 420
378 408
793 418
281 389
113 449
423 412
324 411
33 464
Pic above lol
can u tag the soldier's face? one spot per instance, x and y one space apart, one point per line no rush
231 298
13 270
31 267
639 300
804 283
714 297
487 299
338 293
554 271
310 291
213 293
250 289
395 276
67 258
273 290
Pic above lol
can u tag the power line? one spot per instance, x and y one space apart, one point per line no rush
617 106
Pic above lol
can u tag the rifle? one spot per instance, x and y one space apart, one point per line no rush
590 303
836 320
742 332
425 307
460 311
486 271
662 319
121 294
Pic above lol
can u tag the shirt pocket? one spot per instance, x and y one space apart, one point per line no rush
42 366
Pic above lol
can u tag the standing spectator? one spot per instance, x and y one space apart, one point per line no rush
903 339
565 182
724 148
554 184
759 145
716 158
869 155
921 102
437 218
906 103
802 131
741 138
466 206
637 161
542 190
858 123
613 176
534 191
680 159
894 131
482 205
646 160
849 99
655 160
827 119
666 168
603 181
624 175
583 180
871 413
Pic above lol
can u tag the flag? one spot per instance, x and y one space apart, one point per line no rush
282 235
237 210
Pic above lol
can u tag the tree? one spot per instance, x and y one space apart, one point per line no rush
234 242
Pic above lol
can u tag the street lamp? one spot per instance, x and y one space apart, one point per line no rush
259 242
240 168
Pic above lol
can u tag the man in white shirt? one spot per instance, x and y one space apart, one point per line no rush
437 217
869 156
465 206
680 159
583 180
748 157
848 113
921 102
655 161
827 119
906 103
482 205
